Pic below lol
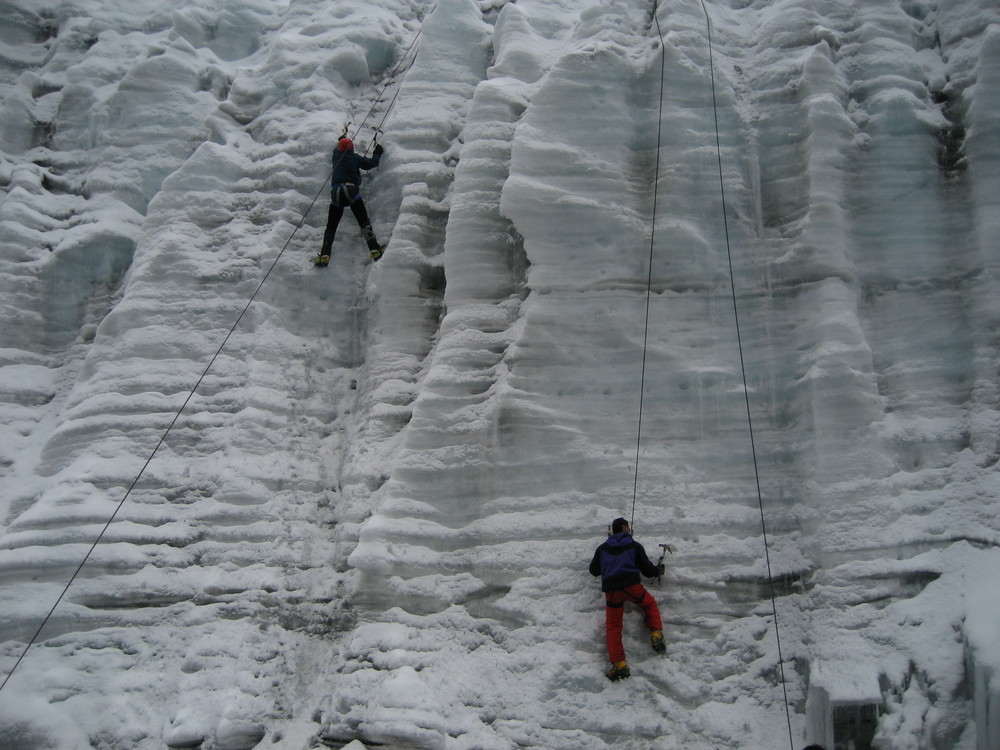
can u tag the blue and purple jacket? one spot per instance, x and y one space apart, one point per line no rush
620 561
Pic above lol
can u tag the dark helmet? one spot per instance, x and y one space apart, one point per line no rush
619 525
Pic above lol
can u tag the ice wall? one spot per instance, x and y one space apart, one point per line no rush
373 518
131 246
530 406
851 219
869 156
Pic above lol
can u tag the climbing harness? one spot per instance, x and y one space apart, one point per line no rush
390 80
345 194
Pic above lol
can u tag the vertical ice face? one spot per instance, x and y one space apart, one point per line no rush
521 444
131 245
373 518
869 251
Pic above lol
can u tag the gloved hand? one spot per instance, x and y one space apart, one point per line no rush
378 149
661 569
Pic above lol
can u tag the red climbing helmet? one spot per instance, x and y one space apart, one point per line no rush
345 144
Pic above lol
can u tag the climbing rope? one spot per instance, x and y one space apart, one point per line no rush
743 372
390 80
649 272
739 338
402 66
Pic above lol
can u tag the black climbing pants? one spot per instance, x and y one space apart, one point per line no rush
344 196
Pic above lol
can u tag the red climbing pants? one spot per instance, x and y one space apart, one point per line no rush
615 608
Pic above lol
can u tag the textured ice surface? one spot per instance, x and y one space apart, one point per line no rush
372 520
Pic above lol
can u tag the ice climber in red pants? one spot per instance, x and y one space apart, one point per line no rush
619 562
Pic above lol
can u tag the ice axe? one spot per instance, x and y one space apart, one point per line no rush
374 143
659 563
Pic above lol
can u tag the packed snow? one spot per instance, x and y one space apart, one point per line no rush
728 269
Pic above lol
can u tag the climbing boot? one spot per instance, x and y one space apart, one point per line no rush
619 671
322 261
378 252
656 638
